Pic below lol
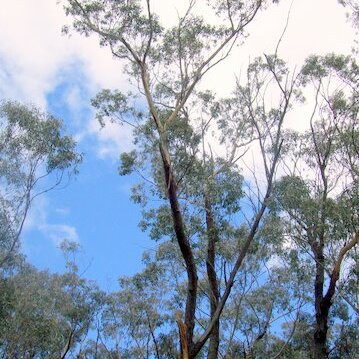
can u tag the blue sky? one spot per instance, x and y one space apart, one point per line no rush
61 74
94 207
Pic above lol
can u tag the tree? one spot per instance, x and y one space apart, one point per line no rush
141 315
198 182
137 320
46 315
35 157
167 65
320 194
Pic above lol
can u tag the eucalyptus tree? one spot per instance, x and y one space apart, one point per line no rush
197 188
45 315
135 321
289 231
35 156
319 196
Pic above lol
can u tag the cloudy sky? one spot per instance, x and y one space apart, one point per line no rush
61 74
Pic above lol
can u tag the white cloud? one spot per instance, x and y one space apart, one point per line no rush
113 138
34 52
37 219
59 232
37 214
315 27
73 98
35 56
62 211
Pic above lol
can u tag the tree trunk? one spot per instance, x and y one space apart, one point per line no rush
184 245
321 312
323 304
211 274
320 350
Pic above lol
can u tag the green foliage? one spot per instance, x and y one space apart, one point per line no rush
34 157
27 133
137 317
127 162
43 312
317 67
116 19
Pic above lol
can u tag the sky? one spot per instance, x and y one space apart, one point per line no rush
39 65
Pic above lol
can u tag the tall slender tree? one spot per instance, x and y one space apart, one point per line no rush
320 194
168 64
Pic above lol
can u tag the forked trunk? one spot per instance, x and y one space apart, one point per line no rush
324 303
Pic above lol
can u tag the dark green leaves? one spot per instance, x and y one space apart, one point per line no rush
127 162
